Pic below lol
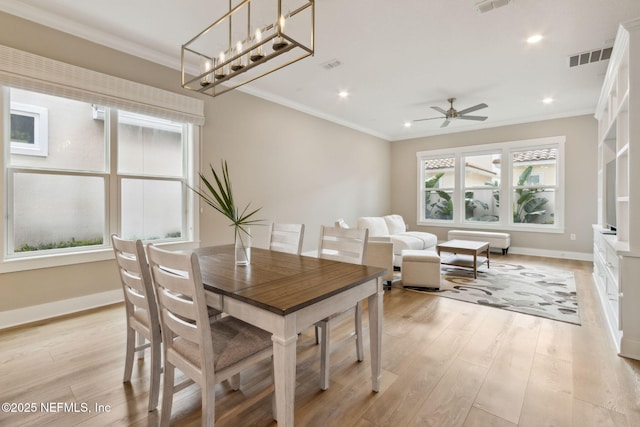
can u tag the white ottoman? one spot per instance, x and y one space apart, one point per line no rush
420 268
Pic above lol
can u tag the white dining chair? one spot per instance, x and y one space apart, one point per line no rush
143 324
208 352
286 238
345 245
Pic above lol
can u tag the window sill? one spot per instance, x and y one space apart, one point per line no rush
531 228
9 265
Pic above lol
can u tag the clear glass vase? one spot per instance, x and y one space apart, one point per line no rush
243 246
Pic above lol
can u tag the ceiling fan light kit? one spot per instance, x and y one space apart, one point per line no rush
453 114
246 43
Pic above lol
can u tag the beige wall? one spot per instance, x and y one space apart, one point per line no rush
297 167
580 178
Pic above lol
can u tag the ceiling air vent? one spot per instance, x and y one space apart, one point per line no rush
329 65
489 5
590 57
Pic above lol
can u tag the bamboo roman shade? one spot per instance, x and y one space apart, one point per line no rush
25 70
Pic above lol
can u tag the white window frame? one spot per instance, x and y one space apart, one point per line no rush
40 146
24 70
51 258
506 187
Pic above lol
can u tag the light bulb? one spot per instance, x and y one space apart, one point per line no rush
257 55
279 42
237 64
206 68
220 72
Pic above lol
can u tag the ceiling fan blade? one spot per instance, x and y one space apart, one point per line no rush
440 110
430 118
472 109
445 123
479 118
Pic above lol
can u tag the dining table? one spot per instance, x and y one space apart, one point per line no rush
285 294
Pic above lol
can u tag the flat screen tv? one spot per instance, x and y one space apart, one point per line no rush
610 199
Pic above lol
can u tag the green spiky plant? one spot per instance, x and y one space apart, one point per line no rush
219 195
528 207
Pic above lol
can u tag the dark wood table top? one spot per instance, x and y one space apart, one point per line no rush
278 282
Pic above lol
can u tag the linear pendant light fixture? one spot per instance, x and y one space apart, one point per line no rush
253 39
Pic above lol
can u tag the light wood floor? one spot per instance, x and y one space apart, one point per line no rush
445 363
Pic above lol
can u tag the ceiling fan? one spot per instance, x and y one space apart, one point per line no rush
452 113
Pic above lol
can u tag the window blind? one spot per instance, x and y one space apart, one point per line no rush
24 70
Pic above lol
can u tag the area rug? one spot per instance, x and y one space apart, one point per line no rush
537 291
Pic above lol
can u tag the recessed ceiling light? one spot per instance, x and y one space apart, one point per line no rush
534 39
343 94
407 124
547 100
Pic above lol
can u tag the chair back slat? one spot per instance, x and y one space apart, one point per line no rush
346 245
136 298
180 327
286 238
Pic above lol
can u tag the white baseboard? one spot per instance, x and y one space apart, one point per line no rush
35 313
580 256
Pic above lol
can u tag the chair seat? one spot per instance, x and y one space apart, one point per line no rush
233 340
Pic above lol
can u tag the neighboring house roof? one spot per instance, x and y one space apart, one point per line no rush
536 155
446 163
520 156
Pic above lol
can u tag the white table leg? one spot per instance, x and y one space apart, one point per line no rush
375 337
325 354
284 372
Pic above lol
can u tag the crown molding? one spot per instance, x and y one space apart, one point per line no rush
59 23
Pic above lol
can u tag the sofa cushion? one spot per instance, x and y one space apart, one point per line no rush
428 240
395 224
376 225
405 241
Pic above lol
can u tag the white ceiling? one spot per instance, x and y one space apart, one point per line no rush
398 57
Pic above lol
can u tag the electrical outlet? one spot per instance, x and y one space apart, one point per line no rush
572 236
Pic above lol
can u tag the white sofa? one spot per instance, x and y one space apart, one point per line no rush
392 228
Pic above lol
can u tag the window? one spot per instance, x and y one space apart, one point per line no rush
151 164
61 202
29 130
534 185
439 183
87 155
482 187
511 185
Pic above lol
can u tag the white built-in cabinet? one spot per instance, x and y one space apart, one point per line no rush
616 258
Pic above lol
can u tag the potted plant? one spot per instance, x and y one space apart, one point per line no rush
218 194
